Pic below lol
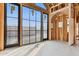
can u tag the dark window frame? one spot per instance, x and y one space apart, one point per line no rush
5 26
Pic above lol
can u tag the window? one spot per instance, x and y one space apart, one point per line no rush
44 26
12 24
38 26
32 26
32 14
45 18
25 15
25 23
38 16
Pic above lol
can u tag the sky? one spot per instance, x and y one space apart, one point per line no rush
41 5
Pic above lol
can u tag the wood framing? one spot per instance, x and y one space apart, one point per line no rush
55 30
32 5
59 33
1 26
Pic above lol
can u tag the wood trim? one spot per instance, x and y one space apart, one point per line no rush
65 28
20 24
56 5
74 15
1 26
47 5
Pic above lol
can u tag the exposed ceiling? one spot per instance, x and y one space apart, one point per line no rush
62 11
49 5
52 4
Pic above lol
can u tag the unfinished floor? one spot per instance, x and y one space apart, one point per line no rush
46 48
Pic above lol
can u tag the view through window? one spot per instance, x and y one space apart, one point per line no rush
31 25
12 24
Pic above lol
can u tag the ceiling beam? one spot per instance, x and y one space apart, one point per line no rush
32 5
46 5
56 5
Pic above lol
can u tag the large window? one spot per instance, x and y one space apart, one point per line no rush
12 24
31 25
25 23
38 26
45 19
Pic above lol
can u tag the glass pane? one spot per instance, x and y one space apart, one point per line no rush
32 39
38 16
38 37
32 33
25 24
12 34
32 36
25 13
12 12
25 39
41 5
12 24
11 39
44 34
32 14
45 18
32 25
25 33
44 26
38 25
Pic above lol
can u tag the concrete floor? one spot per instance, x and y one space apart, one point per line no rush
46 48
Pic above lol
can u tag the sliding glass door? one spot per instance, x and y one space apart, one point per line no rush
32 26
45 23
38 26
12 22
25 25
